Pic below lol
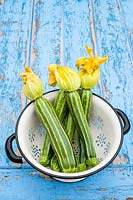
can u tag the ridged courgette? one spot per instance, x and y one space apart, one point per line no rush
59 140
76 109
61 109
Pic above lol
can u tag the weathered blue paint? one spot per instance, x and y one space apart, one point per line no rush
39 32
116 75
110 184
14 28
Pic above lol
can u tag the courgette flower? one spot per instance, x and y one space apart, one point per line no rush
65 77
33 86
89 69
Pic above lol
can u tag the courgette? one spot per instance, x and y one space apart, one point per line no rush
59 140
69 127
61 109
76 109
33 89
86 99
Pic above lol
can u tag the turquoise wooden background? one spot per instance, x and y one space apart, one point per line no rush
39 32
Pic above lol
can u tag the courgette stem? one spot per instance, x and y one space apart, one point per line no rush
76 109
59 139
81 157
54 163
46 151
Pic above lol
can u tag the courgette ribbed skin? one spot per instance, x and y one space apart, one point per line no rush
46 151
76 109
54 163
59 139
69 127
60 105
61 108
86 99
81 157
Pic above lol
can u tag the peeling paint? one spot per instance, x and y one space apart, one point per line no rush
17 177
63 199
33 50
2 77
1 33
93 32
107 94
102 189
117 160
41 175
61 44
119 6
22 98
121 160
16 164
37 1
33 173
1 2
130 32
93 38
129 198
7 177
28 41
124 159
13 117
46 177
1 179
82 188
128 46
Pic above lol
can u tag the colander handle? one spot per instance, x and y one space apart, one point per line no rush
124 120
9 150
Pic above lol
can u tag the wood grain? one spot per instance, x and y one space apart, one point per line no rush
127 10
14 27
116 75
110 184
46 37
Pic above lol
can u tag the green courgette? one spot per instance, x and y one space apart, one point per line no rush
33 90
69 127
59 140
76 109
86 99
61 109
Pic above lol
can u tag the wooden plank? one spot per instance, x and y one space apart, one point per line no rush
15 33
109 184
76 32
60 32
116 75
46 37
126 10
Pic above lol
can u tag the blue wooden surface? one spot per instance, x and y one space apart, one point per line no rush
39 32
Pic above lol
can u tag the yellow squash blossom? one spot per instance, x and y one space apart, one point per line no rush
65 77
33 86
89 69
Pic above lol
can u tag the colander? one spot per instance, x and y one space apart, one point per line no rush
107 125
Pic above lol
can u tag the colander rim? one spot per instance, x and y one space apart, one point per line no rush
69 176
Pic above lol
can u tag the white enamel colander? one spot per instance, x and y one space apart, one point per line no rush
107 125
